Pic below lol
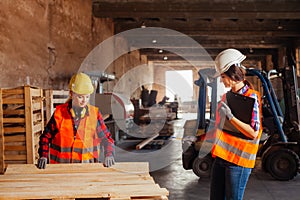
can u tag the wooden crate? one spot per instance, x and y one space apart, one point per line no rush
21 123
122 181
52 99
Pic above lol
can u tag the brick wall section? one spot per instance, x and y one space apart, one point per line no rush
46 41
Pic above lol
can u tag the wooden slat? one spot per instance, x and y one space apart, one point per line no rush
29 125
36 106
61 92
13 101
37 128
14 129
49 104
14 112
16 107
37 117
13 120
63 199
14 144
52 98
123 178
35 92
59 101
15 138
79 190
146 141
67 181
2 164
136 167
15 148
13 91
8 162
15 157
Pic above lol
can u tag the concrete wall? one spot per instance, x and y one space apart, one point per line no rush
131 70
43 42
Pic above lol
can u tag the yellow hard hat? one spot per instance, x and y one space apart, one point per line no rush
227 58
81 84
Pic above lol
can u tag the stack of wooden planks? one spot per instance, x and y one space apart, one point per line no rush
21 123
52 99
123 181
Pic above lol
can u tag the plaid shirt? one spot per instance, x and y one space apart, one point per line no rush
51 130
255 120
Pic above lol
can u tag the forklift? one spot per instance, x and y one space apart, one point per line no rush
279 149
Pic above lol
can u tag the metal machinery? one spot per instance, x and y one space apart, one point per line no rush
279 150
116 105
127 119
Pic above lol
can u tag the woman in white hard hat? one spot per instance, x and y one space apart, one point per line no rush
234 153
75 129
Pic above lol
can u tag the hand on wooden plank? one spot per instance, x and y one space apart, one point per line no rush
109 161
42 162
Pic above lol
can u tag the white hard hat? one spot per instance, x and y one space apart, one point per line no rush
227 58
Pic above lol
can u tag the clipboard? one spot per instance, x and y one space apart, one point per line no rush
241 107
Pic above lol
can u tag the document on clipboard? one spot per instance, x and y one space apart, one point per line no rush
241 107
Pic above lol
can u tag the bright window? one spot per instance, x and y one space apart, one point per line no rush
179 83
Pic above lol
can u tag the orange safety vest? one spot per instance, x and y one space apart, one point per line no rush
81 147
239 151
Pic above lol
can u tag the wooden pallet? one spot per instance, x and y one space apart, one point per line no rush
52 99
123 181
21 123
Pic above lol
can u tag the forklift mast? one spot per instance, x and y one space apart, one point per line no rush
271 98
291 101
204 82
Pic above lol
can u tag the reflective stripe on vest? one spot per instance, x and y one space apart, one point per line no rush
236 150
81 148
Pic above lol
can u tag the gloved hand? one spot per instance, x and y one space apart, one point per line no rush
225 111
42 162
109 161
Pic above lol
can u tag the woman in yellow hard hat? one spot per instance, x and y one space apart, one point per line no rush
76 129
234 148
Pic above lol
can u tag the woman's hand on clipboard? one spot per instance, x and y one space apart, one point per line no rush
225 111
244 128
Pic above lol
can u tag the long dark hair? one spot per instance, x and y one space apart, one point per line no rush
237 73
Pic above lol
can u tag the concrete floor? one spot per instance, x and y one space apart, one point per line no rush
185 185
166 169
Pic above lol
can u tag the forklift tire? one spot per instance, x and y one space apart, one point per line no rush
188 157
265 164
202 166
283 164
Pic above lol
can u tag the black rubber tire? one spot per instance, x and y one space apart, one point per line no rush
283 164
265 163
202 166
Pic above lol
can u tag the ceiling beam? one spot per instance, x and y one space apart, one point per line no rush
210 52
263 26
199 10
200 27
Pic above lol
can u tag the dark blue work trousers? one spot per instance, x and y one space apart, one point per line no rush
228 181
